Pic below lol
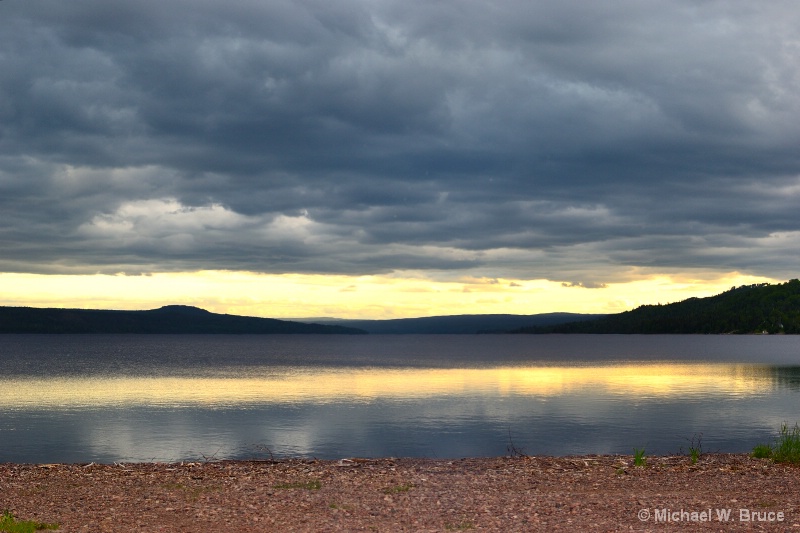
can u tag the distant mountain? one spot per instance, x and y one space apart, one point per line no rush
455 324
760 308
168 319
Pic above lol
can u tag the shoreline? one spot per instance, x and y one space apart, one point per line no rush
520 493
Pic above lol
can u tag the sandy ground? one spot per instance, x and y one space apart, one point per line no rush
586 493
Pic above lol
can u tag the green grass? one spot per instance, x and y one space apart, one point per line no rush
10 524
405 487
694 453
638 457
786 448
314 484
461 526
762 451
342 507
696 448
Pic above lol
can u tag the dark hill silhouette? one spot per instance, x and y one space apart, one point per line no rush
760 308
167 319
456 324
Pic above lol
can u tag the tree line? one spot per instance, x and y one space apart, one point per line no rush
748 309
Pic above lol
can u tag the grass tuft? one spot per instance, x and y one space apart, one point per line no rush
638 457
405 487
314 484
9 524
696 448
762 451
461 526
786 448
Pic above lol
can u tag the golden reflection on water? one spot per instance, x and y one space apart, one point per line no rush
271 385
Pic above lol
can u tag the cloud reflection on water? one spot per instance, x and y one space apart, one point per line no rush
290 386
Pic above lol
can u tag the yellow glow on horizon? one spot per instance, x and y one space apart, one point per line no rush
641 380
398 295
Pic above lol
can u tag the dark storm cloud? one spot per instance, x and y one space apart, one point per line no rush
565 140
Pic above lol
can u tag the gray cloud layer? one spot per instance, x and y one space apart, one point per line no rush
564 140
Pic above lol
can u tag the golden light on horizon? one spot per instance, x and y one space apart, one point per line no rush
640 380
398 295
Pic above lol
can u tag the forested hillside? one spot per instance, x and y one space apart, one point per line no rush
761 308
456 324
168 319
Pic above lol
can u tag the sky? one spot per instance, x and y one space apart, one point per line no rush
396 158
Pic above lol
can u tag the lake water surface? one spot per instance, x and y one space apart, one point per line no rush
106 398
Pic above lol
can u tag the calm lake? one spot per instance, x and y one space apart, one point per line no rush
124 398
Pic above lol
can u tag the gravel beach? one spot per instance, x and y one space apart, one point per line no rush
721 492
